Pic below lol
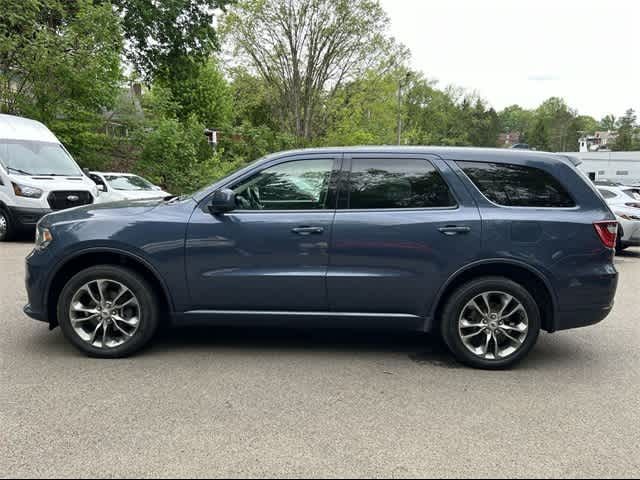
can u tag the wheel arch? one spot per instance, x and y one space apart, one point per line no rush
527 276
102 256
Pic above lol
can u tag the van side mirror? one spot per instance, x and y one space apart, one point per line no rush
223 201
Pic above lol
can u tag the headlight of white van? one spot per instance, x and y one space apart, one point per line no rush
26 191
43 237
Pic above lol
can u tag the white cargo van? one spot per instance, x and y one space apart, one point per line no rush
37 176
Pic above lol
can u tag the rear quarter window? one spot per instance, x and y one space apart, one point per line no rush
517 186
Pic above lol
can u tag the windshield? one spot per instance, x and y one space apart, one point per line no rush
122 182
37 158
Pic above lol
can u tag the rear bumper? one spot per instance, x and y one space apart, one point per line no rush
595 304
581 318
26 218
36 315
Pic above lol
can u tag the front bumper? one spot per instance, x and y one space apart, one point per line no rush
27 218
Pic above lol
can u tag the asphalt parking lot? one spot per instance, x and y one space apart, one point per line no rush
221 403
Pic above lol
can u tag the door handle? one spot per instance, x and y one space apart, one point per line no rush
454 230
308 230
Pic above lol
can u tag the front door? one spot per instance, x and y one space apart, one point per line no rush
271 253
404 224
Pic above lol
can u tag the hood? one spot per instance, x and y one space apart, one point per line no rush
48 183
135 195
125 210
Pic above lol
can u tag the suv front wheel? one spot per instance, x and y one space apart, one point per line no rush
491 323
108 312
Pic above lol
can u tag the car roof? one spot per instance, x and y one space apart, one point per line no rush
119 174
494 155
19 128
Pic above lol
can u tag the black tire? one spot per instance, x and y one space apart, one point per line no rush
5 233
465 294
148 303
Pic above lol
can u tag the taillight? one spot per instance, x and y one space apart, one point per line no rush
633 204
608 233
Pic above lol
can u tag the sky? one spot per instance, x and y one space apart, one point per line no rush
525 51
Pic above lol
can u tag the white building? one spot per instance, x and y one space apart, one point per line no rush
623 167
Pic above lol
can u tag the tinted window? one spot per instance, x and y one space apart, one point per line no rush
299 185
128 183
516 186
607 194
399 183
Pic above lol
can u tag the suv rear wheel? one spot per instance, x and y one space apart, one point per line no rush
108 312
491 323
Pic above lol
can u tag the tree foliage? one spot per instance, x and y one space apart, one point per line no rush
168 35
307 49
60 64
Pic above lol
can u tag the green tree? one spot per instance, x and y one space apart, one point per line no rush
539 136
363 112
560 126
177 156
516 119
587 124
627 126
307 49
164 36
200 91
608 123
60 64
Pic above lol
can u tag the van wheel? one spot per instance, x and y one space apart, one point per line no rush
491 323
6 229
108 312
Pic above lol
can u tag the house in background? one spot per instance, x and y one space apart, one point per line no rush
599 141
509 139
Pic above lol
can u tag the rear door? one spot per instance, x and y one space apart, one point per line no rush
404 224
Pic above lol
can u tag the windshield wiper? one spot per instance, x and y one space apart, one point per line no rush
17 170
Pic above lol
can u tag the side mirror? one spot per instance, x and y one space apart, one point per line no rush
156 188
102 188
223 201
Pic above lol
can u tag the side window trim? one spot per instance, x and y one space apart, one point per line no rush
344 195
331 192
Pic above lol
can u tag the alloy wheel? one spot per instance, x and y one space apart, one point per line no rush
493 325
105 314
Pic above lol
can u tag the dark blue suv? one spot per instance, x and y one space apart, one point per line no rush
485 247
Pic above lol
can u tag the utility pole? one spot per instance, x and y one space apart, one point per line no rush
400 85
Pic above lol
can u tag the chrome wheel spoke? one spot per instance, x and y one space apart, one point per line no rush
472 335
94 334
105 313
122 330
513 312
132 322
513 339
76 321
493 325
468 324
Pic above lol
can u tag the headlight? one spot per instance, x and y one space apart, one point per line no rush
25 191
43 237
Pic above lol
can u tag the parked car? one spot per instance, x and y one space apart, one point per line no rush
484 247
125 186
625 203
37 176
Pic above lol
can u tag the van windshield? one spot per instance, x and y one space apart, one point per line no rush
37 158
